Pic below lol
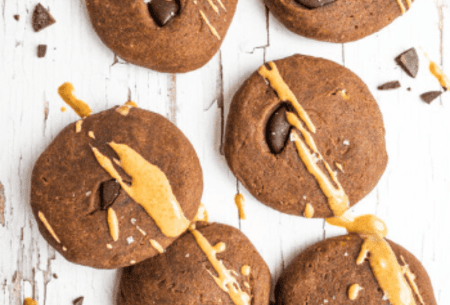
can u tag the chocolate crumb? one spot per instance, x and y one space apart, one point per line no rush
78 301
17 17
390 85
428 97
109 190
41 50
41 18
55 276
314 3
409 88
163 11
409 61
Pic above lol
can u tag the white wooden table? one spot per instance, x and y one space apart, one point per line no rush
413 196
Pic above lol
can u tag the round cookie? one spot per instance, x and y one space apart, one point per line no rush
164 35
185 274
328 269
109 218
349 135
336 20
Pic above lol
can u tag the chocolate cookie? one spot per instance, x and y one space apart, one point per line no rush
116 188
328 272
337 20
323 157
164 35
213 264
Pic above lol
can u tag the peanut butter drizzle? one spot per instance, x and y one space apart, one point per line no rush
239 200
157 246
402 7
439 74
337 198
339 165
211 28
63 109
309 211
30 301
48 226
214 7
125 108
113 224
202 214
149 187
221 4
226 281
284 93
91 134
67 93
245 270
411 279
78 125
353 291
382 259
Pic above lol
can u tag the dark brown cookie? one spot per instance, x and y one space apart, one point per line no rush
349 136
327 270
80 207
336 21
184 274
165 35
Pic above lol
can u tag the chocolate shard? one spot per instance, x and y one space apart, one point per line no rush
409 61
277 130
78 301
314 3
109 190
390 85
41 18
428 97
163 11
17 17
41 50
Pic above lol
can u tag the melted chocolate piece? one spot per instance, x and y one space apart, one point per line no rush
390 85
314 3
277 130
163 11
41 18
41 50
428 97
409 61
78 301
109 190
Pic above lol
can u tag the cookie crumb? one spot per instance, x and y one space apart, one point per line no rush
390 85
55 276
41 18
41 50
78 301
429 97
17 17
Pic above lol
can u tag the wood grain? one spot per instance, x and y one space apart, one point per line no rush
412 197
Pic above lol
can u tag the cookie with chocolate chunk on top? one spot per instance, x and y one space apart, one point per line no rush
337 20
305 136
116 188
173 36
329 271
211 264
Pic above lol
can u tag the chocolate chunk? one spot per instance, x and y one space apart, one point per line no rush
109 190
78 301
41 18
41 50
314 3
390 85
428 97
17 17
163 11
409 61
277 130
